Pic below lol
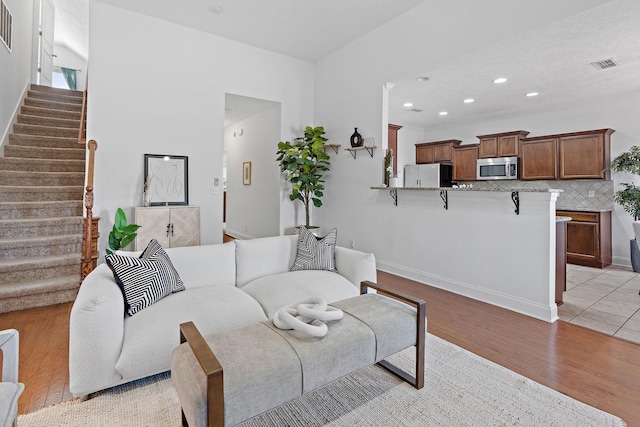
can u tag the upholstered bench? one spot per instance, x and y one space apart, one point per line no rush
231 376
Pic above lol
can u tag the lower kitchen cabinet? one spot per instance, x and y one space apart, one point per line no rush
171 226
588 238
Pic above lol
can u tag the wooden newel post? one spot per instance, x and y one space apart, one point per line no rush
87 260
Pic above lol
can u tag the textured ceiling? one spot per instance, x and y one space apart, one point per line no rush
553 60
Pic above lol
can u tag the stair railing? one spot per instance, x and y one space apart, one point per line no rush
90 234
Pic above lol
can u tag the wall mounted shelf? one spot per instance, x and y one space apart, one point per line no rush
354 151
334 147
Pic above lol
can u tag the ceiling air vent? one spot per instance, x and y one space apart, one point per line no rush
607 63
416 110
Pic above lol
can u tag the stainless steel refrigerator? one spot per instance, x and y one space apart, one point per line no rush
432 175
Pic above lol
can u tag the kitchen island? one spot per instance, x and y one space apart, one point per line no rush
493 245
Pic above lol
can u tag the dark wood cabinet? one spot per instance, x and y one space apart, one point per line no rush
588 238
436 152
464 163
577 155
585 154
505 144
538 158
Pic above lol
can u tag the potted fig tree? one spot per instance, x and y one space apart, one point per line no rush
629 196
304 162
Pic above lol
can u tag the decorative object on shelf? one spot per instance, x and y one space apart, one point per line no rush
122 234
246 173
304 163
356 139
388 166
394 181
167 178
629 197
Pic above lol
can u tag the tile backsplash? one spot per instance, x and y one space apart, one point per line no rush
575 195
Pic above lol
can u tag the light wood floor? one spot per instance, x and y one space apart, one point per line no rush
594 368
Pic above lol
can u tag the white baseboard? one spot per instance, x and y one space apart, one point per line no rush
14 118
528 308
238 235
621 261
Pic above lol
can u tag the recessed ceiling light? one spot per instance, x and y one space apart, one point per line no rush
215 9
469 100
422 79
443 113
500 80
532 94
408 104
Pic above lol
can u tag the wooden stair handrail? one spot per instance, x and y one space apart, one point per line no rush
82 137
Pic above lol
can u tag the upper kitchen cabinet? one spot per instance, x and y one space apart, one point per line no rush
539 158
464 163
505 144
436 152
577 155
585 154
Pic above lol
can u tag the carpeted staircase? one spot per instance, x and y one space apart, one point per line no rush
41 193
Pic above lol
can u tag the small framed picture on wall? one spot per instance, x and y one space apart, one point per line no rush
246 173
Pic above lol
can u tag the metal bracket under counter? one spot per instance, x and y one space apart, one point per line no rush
444 195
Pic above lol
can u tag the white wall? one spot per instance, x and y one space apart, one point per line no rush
15 66
619 112
254 210
348 96
159 88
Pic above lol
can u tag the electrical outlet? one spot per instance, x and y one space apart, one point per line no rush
591 194
352 244
216 190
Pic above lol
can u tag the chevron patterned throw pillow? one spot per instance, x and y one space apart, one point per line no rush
147 279
316 253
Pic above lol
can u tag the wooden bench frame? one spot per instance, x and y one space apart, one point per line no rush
215 375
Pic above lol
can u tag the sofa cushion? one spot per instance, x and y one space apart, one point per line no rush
315 253
279 290
151 335
205 265
147 279
261 257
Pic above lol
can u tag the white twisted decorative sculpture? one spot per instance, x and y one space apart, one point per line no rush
307 316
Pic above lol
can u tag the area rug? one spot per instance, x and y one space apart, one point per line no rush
461 389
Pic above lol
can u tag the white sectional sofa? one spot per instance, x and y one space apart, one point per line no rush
227 286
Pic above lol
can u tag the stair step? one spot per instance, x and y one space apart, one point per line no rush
49 121
33 210
47 112
11 150
45 130
52 105
12 229
44 141
57 90
39 268
56 97
16 178
40 193
38 293
40 246
41 165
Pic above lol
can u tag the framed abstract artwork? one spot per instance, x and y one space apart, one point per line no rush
166 179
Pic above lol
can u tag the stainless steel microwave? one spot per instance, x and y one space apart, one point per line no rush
497 168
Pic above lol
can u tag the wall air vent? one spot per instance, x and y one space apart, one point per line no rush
416 110
6 25
607 63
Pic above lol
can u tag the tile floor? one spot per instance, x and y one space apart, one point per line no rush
606 300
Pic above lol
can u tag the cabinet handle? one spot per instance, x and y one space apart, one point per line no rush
171 229
168 228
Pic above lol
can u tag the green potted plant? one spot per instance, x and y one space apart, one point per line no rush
629 196
304 161
122 233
